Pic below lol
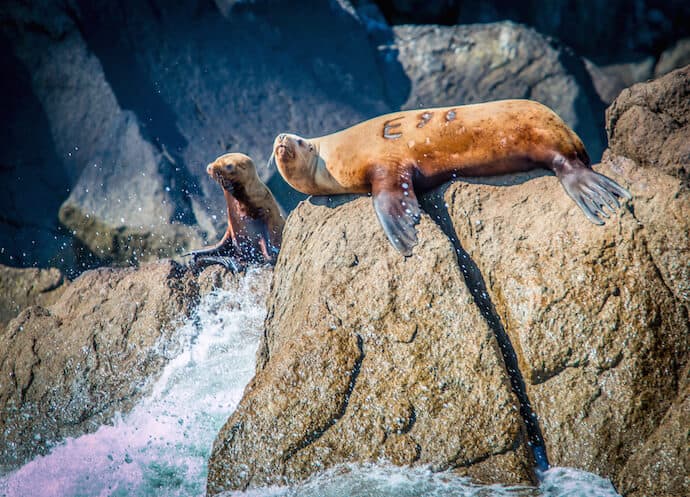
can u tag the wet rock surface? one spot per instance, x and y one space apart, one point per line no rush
67 367
368 355
23 287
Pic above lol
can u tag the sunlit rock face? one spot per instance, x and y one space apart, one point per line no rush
370 355
599 316
650 124
68 367
23 287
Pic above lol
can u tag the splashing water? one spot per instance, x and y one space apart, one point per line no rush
161 448
382 480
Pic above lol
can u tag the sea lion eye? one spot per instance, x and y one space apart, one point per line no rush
300 142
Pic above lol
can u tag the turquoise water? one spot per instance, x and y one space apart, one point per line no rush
161 447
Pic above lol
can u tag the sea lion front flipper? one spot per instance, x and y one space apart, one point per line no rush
397 209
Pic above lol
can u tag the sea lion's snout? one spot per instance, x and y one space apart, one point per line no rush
217 169
231 168
283 147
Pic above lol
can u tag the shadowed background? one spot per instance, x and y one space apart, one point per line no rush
113 110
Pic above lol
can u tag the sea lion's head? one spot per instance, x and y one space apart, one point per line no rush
296 159
232 169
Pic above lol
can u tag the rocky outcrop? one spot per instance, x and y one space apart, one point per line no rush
676 56
448 65
632 28
24 287
370 355
367 356
650 124
598 317
67 367
609 80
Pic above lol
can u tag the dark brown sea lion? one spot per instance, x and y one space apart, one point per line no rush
255 223
396 155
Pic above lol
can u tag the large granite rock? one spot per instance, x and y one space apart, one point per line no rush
368 355
450 65
68 367
133 100
632 28
24 287
650 124
598 316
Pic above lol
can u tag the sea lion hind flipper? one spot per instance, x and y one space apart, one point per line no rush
228 262
592 192
398 212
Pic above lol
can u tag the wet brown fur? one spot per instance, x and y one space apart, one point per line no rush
255 223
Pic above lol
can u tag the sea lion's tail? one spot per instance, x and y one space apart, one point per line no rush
591 191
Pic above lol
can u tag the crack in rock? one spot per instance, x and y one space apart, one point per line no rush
475 283
312 437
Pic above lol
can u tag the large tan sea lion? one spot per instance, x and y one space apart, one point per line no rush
396 155
255 223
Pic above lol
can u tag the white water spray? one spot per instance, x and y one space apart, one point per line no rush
161 447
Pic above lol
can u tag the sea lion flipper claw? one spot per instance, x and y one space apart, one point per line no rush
398 212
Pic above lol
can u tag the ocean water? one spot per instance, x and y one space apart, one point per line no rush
161 447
